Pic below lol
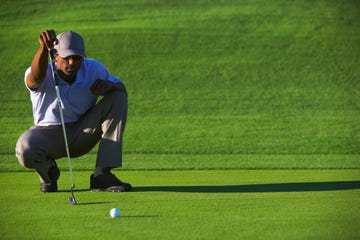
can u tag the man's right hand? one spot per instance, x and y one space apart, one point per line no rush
48 39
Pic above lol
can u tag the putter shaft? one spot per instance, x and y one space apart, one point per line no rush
56 82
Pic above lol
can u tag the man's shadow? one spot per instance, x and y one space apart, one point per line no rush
257 188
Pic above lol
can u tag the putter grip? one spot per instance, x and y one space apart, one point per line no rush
53 67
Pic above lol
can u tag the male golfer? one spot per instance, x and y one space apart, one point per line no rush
81 82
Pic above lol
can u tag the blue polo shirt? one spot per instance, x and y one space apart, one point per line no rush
75 97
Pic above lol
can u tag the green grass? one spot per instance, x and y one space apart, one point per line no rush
218 204
220 93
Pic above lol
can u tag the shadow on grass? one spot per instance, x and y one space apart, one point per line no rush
91 203
75 190
141 216
253 188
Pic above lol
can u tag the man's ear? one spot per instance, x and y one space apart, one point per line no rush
56 55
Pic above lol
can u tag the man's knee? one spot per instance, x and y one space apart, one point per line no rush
117 97
25 153
115 102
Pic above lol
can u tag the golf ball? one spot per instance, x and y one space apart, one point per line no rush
114 212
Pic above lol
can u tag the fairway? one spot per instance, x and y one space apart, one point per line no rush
244 120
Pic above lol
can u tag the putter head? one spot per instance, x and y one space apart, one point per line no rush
72 199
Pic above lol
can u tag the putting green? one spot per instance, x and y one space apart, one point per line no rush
216 204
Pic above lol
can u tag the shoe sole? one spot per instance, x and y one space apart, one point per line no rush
109 190
104 190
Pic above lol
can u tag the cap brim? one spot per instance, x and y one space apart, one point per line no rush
70 52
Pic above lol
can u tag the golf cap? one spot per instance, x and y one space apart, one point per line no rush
69 44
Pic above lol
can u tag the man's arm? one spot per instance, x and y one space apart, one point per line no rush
102 87
47 40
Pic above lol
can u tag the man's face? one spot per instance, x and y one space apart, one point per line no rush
68 67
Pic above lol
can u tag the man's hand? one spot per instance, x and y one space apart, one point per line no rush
102 87
47 39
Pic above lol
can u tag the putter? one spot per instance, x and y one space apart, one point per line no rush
72 199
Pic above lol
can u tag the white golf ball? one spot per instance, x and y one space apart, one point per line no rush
114 212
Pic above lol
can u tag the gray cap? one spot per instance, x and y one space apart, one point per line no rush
69 44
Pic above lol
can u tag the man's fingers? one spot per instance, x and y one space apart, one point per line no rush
95 85
52 37
48 38
95 88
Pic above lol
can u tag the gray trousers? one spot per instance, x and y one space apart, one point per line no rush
39 146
